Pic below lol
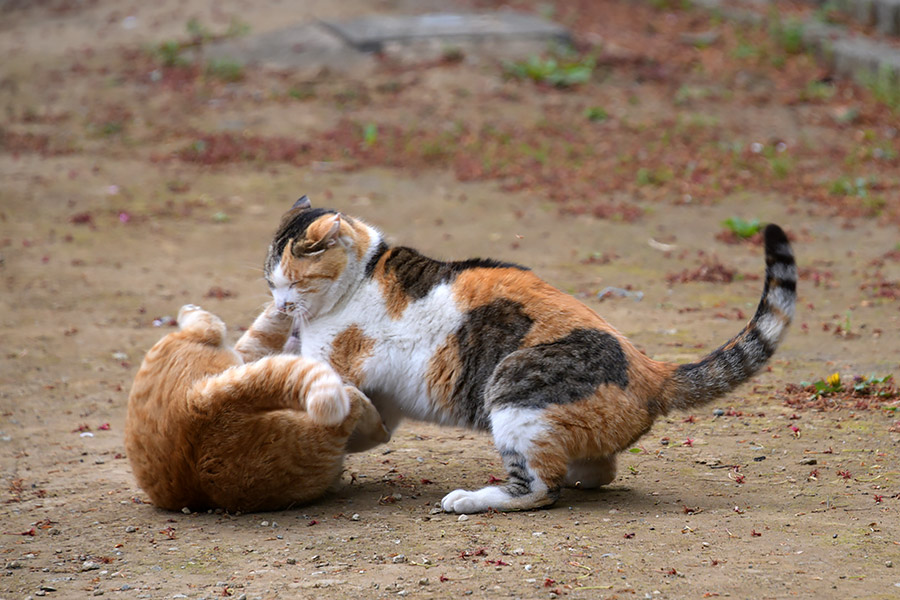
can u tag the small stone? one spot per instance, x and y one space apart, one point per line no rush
809 461
99 461
291 561
424 581
355 517
13 564
718 412
178 596
89 565
398 559
47 588
263 523
436 511
98 592
130 529
529 567
889 563
186 510
125 587
463 518
519 551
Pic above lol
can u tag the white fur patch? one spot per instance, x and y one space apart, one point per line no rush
515 428
464 501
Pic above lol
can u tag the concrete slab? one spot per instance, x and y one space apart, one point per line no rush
372 34
304 47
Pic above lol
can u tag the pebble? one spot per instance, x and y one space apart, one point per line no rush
355 517
186 510
263 523
130 529
718 412
889 563
399 559
424 581
291 561
809 461
47 588
13 564
89 565
463 518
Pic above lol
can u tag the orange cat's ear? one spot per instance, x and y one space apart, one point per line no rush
321 235
303 203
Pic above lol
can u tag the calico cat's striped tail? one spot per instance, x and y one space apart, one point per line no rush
743 355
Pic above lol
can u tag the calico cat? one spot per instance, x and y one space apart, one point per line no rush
488 345
209 426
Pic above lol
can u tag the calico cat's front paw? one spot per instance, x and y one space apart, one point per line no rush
466 502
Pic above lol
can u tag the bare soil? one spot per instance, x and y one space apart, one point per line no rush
112 216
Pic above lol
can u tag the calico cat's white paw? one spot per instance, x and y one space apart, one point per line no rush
465 501
327 402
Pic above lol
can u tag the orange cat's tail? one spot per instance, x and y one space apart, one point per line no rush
745 354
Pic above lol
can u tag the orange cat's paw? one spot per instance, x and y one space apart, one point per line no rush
327 402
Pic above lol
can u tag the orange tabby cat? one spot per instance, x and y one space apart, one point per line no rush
206 430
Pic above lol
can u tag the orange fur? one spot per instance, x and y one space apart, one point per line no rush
205 430
349 351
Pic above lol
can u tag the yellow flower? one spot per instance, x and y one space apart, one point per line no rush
834 380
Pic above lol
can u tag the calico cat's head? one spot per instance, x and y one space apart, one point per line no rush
315 257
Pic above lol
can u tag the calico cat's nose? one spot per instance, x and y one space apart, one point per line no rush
285 306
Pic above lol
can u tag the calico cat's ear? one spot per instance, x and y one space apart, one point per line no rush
302 203
320 236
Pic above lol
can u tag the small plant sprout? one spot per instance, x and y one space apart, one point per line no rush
741 228
557 72
370 134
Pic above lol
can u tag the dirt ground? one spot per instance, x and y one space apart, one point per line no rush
130 188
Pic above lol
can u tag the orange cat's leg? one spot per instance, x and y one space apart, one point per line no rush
272 383
369 430
266 336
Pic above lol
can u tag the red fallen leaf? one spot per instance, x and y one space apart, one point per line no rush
468 553
879 498
443 578
104 427
426 481
82 428
124 217
628 536
689 442
548 582
493 479
169 532
672 572
82 219
312 522
497 563
689 419
755 533
845 474
32 532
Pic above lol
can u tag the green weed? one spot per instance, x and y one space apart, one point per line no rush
850 186
225 69
597 114
558 72
370 134
741 228
656 177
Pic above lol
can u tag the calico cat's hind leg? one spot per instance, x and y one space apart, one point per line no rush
535 474
591 473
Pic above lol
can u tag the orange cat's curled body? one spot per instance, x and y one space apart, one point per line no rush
244 429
